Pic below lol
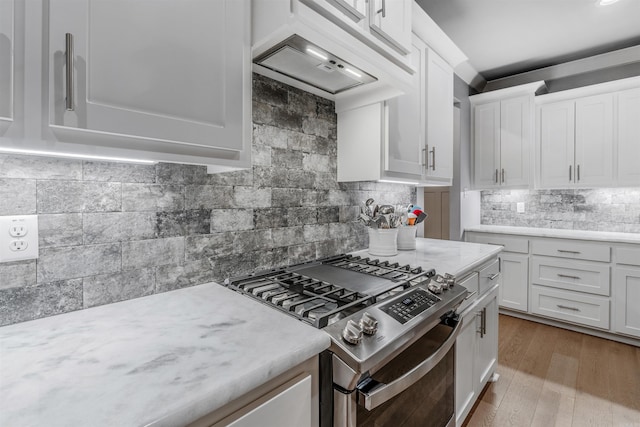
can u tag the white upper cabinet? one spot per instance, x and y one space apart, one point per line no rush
439 119
588 137
502 136
576 142
390 20
556 144
7 77
628 137
355 10
172 78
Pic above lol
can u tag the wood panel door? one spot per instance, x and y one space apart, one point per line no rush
436 205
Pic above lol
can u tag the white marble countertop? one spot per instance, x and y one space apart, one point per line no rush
603 236
445 256
161 360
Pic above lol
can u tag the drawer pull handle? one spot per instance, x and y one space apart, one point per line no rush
497 244
494 276
68 42
568 308
568 277
564 251
470 295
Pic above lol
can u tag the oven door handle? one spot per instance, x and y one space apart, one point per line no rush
381 393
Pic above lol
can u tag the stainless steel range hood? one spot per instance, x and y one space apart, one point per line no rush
302 60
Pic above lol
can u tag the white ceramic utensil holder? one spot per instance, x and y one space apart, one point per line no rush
383 241
407 237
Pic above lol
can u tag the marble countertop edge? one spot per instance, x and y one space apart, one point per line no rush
602 236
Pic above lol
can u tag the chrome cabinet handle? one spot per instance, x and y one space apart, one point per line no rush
503 176
568 308
433 158
383 9
494 276
578 172
68 42
496 176
568 277
564 251
380 393
470 295
484 322
569 173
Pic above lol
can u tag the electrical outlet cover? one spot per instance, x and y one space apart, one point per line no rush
18 237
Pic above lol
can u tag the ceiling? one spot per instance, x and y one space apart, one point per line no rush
507 37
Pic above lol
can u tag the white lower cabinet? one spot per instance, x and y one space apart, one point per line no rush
626 292
476 351
290 406
514 281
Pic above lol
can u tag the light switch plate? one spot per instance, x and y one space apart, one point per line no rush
18 237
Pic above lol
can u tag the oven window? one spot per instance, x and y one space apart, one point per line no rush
427 403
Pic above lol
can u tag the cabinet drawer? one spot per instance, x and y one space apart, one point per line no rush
589 310
510 243
571 249
629 256
582 276
489 276
472 284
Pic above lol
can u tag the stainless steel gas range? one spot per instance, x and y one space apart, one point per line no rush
393 329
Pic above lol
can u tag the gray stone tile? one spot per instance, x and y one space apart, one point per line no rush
152 197
287 236
326 181
60 230
288 119
149 253
286 158
17 196
292 197
232 220
301 253
77 261
78 196
118 172
302 216
183 223
300 141
269 92
271 218
270 136
303 103
173 173
339 230
208 197
328 214
37 167
241 177
349 213
249 197
261 155
176 276
34 302
268 177
17 274
316 232
327 248
109 288
213 245
247 241
318 127
118 226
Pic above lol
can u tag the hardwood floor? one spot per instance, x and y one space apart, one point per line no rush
554 377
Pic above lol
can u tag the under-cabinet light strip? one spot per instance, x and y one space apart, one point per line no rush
398 182
75 156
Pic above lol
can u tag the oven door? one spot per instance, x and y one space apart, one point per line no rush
415 389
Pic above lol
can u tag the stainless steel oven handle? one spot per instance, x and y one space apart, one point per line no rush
384 392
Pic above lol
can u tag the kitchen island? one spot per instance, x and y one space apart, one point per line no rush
168 359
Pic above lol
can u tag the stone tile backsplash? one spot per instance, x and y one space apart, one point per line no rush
605 209
113 231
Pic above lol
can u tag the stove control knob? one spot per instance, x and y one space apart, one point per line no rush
450 280
435 287
369 324
352 333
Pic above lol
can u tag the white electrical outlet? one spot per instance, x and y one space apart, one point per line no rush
18 237
520 207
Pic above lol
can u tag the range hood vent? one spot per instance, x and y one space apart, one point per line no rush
301 60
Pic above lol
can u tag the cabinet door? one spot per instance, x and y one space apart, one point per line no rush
594 140
439 118
355 10
390 20
6 64
487 356
290 407
405 137
626 293
514 281
486 144
465 355
628 130
169 72
515 139
557 144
